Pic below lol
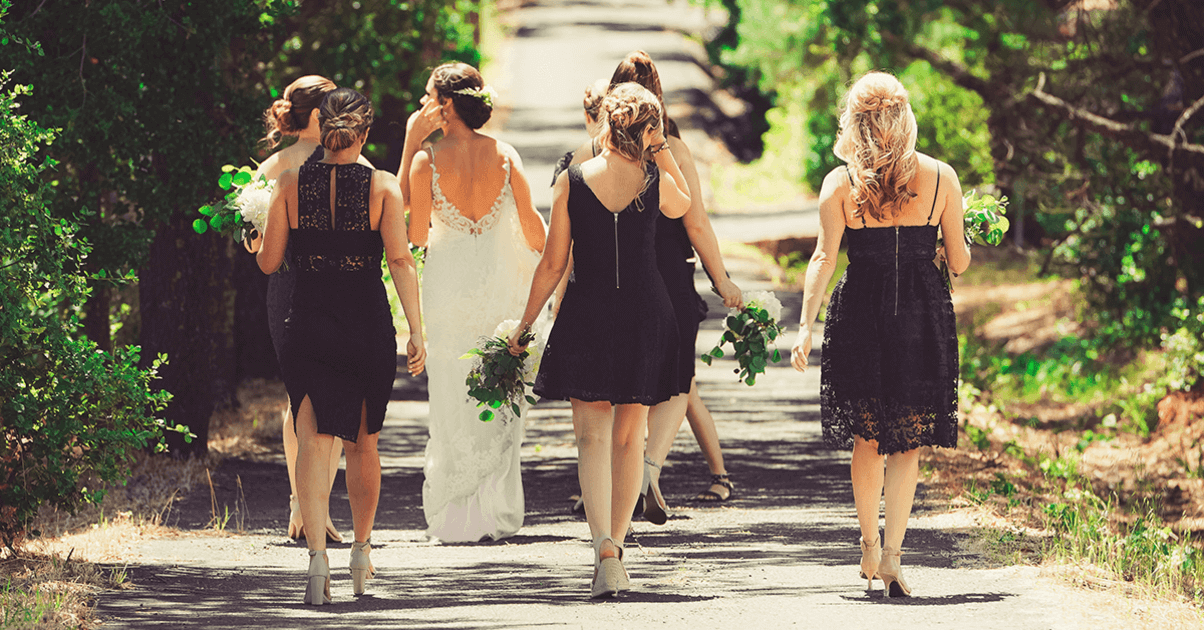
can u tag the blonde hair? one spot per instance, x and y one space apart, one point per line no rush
877 140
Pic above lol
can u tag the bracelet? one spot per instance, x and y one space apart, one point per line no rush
658 148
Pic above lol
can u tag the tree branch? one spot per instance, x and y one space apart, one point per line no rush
1160 147
961 75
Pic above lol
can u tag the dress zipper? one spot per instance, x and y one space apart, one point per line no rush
617 250
896 270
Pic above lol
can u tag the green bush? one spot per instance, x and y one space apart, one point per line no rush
71 416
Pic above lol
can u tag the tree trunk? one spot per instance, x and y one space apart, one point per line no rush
186 308
96 316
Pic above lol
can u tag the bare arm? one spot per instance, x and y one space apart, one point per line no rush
551 265
533 227
420 125
420 199
402 268
275 239
822 265
675 192
953 225
698 228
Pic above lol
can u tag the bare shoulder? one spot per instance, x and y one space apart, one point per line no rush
836 181
505 149
287 178
679 148
383 177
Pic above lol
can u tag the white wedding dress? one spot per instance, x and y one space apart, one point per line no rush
477 274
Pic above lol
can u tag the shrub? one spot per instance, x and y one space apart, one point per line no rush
70 415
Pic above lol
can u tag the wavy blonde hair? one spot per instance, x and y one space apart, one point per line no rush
877 139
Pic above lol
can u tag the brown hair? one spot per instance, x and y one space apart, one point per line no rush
877 139
592 103
289 114
449 79
345 116
637 67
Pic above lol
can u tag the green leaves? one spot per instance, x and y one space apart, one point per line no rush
496 381
751 333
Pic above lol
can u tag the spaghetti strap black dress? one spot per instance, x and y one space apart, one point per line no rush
615 337
340 347
889 365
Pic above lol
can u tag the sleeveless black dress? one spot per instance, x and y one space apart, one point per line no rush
674 258
615 337
889 365
281 284
339 345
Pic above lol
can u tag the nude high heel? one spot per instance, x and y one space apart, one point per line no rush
891 572
655 509
871 557
607 571
317 586
295 528
296 525
361 567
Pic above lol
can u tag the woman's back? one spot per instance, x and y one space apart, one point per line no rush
471 175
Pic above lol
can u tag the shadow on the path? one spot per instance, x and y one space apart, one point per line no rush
941 600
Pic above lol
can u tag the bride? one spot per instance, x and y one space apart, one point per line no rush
470 205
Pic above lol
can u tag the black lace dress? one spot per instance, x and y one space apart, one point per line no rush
339 344
615 337
281 284
889 365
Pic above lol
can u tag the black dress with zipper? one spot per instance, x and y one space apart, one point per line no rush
615 337
889 365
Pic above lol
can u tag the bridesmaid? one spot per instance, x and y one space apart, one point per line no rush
339 344
294 114
676 242
610 352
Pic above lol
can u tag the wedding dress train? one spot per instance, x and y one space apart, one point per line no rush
476 274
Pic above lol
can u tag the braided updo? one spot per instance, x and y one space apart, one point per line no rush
877 139
289 114
345 116
449 79
627 111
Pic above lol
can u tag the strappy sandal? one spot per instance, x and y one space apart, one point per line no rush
710 496
656 511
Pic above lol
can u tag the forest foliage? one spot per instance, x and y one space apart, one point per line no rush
1083 113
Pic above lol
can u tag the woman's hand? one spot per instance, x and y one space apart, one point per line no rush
426 120
802 348
514 341
732 297
252 241
415 355
654 136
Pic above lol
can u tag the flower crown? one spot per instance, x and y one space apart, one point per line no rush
486 94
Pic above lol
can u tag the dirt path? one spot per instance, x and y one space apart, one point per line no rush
782 553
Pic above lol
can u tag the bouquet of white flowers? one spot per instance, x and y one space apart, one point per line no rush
499 380
243 209
751 331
